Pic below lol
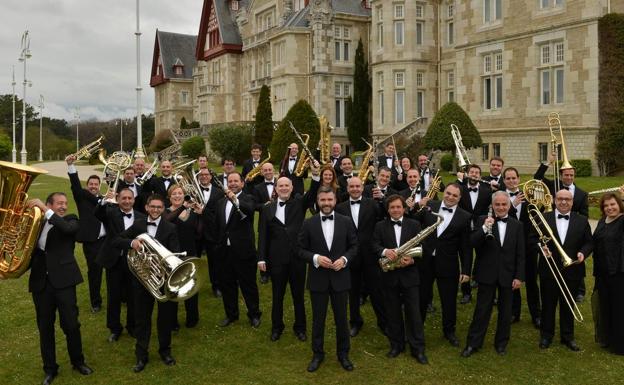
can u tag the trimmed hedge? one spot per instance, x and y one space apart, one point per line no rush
583 167
446 162
231 141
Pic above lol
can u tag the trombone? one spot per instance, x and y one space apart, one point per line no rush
556 140
538 221
462 154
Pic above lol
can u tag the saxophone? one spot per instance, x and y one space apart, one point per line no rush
251 175
411 248
324 140
366 158
302 162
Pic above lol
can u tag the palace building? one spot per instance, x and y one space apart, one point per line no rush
507 63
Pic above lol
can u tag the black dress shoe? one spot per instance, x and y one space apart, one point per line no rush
515 319
83 369
500 350
168 360
217 293
465 299
96 309
140 365
537 322
49 377
544 343
355 330
314 364
571 345
191 324
226 321
275 335
394 352
452 339
255 322
346 364
420 357
301 336
467 352
114 337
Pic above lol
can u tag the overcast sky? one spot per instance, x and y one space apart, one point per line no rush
84 51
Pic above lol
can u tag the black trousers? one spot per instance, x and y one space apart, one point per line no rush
551 296
144 307
611 291
532 290
118 286
191 308
401 300
47 302
319 301
233 273
372 285
294 274
483 312
355 317
211 253
447 288
94 271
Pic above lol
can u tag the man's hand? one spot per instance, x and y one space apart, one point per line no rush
406 261
489 221
338 264
546 251
423 201
410 202
580 257
518 199
460 175
391 254
70 159
230 194
516 284
325 262
136 244
262 266
37 203
494 184
463 278
377 193
315 167
551 158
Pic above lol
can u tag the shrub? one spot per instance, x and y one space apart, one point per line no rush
194 147
183 124
161 140
446 162
583 167
305 121
194 124
6 146
438 136
231 141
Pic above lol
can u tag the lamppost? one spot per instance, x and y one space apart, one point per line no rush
14 152
120 123
139 151
77 117
25 55
40 128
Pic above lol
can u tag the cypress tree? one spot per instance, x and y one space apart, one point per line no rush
264 118
357 111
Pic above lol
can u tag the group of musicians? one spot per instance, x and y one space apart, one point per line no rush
480 237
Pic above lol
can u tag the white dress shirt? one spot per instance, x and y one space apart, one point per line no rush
206 194
518 208
280 211
448 216
562 226
291 164
151 230
43 237
328 233
128 221
502 228
355 210
389 161
474 195
270 187
425 176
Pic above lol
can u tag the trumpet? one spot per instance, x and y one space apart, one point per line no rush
219 184
89 149
546 235
556 140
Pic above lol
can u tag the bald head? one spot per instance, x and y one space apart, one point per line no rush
284 188
563 201
355 187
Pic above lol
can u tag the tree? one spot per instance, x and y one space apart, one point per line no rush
231 141
264 118
160 141
183 124
6 111
438 136
357 114
305 121
194 147
6 145
194 124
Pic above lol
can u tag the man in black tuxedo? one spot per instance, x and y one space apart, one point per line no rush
263 192
496 177
139 167
208 235
117 218
129 182
280 222
476 199
499 244
250 164
346 172
388 158
447 257
236 251
288 169
518 210
427 174
159 185
573 233
228 165
336 158
328 242
415 199
53 278
365 271
166 233
400 286
380 190
91 231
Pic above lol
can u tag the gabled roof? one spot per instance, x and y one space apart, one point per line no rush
230 39
174 49
350 7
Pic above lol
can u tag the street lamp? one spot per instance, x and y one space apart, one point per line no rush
40 128
77 118
25 55
14 152
139 151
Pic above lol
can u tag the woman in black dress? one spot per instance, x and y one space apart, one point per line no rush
609 270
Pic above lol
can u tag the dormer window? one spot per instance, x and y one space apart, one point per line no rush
234 5
178 67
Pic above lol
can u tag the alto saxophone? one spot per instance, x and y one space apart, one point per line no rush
411 248
365 166
324 140
251 175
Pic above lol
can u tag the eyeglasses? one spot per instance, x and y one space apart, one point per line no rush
155 207
563 199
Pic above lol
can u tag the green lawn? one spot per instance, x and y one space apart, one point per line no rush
240 354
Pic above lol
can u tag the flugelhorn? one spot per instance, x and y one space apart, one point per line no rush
89 149
556 140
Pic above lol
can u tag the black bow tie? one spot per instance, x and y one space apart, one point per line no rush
348 176
129 215
356 202
130 184
566 216
49 221
565 187
326 217
447 209
513 194
151 223
205 189
269 183
293 158
476 189
389 157
504 220
166 179
396 223
282 204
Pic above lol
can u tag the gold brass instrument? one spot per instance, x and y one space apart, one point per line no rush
411 248
217 181
366 158
462 155
306 155
251 175
147 175
324 143
89 149
556 140
434 187
545 234
19 225
114 166
163 273
605 190
184 175
537 194
489 234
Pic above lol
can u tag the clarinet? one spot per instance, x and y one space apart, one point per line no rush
220 185
488 232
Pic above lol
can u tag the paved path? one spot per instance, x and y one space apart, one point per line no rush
59 169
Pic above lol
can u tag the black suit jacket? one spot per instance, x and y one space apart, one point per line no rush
578 238
139 199
297 181
580 199
261 194
337 165
166 233
501 182
57 262
344 244
496 264
208 227
156 185
484 200
86 202
112 218
370 213
384 238
239 230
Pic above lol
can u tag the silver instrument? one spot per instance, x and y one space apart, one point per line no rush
488 233
185 177
219 184
462 155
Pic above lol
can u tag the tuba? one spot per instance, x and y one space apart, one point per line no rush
19 225
163 273
324 140
251 175
89 149
462 155
185 177
366 159
411 248
556 140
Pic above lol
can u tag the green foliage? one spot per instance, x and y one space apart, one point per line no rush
194 124
160 141
357 109
194 147
583 167
6 146
610 141
264 119
446 162
305 121
231 141
438 136
411 147
183 124
6 112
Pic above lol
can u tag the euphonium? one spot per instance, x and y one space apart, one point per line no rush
185 177
89 149
556 139
163 273
251 175
366 158
411 248
462 155
19 225
324 140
